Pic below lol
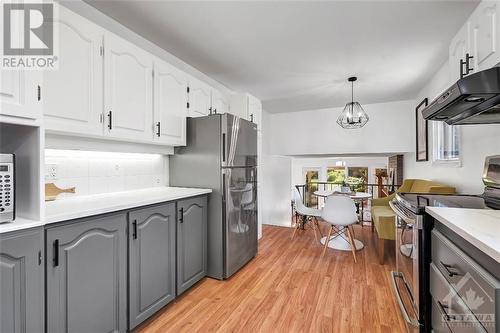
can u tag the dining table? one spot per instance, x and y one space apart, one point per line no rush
339 242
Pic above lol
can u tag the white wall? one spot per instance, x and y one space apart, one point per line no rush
316 131
276 180
477 142
93 172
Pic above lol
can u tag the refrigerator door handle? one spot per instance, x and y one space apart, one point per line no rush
223 147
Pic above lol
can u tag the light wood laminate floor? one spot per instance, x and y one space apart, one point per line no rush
289 287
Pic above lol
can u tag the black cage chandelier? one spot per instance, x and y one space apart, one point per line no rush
353 115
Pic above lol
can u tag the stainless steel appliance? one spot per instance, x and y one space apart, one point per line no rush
413 243
7 188
474 99
221 154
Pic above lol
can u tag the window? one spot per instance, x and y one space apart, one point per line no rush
445 143
311 180
335 175
357 177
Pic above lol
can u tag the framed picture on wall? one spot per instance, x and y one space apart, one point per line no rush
422 133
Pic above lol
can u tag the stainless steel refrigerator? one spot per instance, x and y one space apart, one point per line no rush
221 154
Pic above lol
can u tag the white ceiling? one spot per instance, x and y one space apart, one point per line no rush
298 55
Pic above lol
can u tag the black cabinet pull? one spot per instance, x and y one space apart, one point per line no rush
55 247
158 128
462 72
443 308
134 229
39 93
251 117
215 111
210 110
450 270
39 258
223 147
110 117
181 215
468 69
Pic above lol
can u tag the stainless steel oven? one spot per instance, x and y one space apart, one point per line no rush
406 277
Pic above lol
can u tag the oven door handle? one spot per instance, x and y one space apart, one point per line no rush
405 217
406 316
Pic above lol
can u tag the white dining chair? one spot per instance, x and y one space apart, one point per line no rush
340 213
305 213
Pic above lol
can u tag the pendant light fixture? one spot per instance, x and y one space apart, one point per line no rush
353 115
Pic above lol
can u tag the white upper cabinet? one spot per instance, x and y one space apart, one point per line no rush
220 103
20 93
73 94
128 95
170 104
254 110
485 35
199 98
459 48
247 107
475 47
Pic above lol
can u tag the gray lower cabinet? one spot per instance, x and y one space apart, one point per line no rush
22 281
86 275
191 242
151 260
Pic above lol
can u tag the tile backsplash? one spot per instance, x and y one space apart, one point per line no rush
104 172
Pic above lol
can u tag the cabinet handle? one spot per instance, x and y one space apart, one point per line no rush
210 110
110 118
468 58
39 258
39 93
134 229
215 111
450 269
181 215
158 133
223 147
251 117
443 308
55 247
462 72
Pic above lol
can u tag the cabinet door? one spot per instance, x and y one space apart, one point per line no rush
220 104
458 48
254 111
73 93
20 93
22 282
199 98
86 275
191 242
485 35
151 261
128 96
170 104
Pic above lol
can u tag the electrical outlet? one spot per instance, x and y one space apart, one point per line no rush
51 171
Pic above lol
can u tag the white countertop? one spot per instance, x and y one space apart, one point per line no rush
19 224
89 205
480 227
73 208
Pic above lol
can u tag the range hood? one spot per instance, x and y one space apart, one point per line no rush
474 99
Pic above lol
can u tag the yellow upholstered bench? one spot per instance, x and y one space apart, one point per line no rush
383 217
